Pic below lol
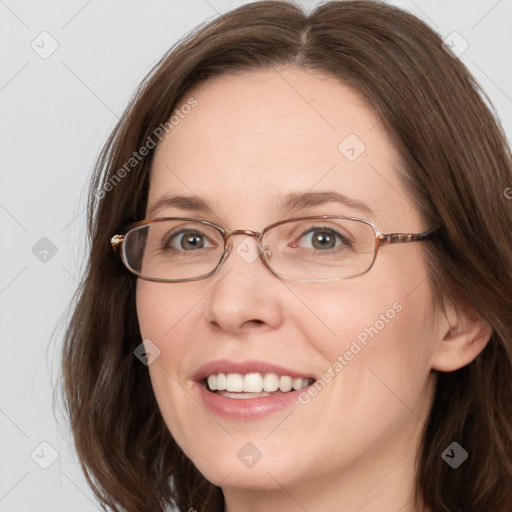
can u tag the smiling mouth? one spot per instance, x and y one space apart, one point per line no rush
254 385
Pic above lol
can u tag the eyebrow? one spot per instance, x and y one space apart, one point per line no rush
189 203
290 202
294 201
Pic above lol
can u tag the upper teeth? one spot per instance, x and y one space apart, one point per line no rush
255 382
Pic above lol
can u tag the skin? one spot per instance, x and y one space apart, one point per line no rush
251 139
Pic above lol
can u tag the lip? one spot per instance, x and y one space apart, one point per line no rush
246 408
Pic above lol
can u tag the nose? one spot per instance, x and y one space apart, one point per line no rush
245 295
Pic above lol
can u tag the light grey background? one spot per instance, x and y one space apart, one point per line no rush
56 114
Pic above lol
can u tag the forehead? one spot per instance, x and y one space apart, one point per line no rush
253 138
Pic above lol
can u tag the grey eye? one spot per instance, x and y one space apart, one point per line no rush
321 239
188 240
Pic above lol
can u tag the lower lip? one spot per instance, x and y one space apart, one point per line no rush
247 408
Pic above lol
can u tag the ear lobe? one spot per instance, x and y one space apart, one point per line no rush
462 336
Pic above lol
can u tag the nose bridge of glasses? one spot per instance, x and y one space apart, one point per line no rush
243 249
246 232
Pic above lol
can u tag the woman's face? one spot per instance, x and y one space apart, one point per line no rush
250 142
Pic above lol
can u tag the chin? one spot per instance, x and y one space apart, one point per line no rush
248 463
261 477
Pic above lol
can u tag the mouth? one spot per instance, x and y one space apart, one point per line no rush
253 385
249 390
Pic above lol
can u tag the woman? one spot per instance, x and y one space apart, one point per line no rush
314 313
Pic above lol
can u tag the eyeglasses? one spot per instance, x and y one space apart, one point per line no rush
319 248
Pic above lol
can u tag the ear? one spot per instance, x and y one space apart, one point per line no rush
463 334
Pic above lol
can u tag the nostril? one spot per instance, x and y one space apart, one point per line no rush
255 321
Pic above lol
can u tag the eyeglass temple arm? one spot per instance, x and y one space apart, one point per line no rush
403 238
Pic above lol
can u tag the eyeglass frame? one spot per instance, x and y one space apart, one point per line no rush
117 241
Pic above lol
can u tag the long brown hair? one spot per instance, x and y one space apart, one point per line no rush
457 166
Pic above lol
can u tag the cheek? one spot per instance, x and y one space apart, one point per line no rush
163 308
333 317
165 315
381 323
375 362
